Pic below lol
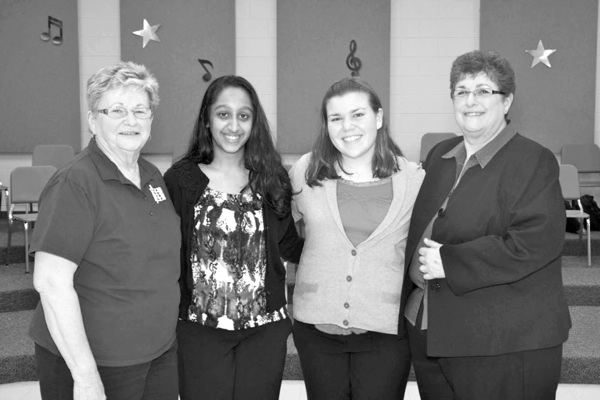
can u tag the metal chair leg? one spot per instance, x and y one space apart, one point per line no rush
589 243
10 224
26 229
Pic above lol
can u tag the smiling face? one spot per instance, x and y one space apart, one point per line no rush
126 136
480 118
352 125
231 121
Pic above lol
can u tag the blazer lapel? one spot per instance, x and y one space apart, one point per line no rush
438 182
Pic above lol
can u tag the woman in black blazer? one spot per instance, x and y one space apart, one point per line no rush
486 315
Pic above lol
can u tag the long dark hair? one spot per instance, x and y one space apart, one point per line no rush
325 156
267 175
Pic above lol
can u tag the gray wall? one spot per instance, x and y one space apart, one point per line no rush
39 81
313 38
552 105
190 29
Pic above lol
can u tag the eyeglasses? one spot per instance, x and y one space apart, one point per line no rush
118 112
481 93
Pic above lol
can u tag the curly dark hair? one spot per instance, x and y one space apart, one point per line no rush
325 156
492 64
267 175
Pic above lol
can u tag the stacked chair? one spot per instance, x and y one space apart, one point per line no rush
586 158
52 154
569 183
26 185
430 139
179 151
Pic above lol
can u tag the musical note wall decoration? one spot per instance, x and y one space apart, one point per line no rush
45 36
353 63
207 76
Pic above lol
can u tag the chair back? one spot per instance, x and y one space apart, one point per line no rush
569 182
585 157
179 151
27 183
430 139
52 154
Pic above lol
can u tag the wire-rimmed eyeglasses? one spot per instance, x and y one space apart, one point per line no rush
118 112
480 93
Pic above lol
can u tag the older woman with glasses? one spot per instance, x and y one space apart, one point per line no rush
107 256
487 315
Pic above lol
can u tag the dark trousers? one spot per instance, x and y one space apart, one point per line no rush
152 380
218 364
523 375
371 365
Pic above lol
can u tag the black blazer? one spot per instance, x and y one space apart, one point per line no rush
502 233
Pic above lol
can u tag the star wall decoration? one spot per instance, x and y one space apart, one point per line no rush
541 55
148 33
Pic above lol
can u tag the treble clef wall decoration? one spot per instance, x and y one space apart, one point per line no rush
353 63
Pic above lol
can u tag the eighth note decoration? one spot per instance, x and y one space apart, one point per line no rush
207 76
45 36
353 63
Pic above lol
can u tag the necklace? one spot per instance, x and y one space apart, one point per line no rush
358 177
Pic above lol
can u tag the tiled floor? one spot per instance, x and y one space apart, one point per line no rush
294 390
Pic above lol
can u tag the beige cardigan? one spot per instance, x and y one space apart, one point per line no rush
338 283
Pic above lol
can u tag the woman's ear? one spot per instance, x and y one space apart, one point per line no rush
91 122
508 102
379 118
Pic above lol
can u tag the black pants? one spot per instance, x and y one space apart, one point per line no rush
152 380
524 375
217 364
371 365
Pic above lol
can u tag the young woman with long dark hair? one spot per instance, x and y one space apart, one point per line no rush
233 197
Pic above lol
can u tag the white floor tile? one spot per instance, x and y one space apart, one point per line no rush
578 392
294 390
412 392
20 391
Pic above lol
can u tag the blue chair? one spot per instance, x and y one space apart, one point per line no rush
430 139
26 185
52 154
569 184
586 158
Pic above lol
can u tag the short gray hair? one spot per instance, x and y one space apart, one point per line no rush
125 74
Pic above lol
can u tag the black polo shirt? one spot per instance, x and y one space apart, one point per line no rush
126 243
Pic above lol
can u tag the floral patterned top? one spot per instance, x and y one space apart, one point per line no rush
228 261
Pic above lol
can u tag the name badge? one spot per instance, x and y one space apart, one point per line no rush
157 193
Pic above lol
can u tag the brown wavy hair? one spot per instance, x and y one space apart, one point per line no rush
325 156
